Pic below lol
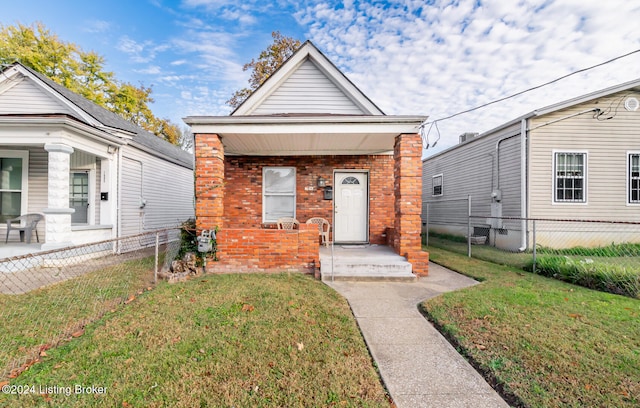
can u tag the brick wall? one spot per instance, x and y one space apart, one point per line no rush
266 250
408 202
243 188
209 181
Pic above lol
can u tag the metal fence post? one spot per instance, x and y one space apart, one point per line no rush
469 226
534 246
426 241
155 271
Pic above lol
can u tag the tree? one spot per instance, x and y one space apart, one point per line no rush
268 62
83 73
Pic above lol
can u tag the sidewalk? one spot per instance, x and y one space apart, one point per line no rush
417 364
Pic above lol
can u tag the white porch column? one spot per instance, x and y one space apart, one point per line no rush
58 213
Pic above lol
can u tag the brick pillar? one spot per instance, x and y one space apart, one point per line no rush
209 154
408 201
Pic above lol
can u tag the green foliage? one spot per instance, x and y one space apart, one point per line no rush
613 250
449 237
83 73
189 242
268 62
590 273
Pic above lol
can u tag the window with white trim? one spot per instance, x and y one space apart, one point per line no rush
436 185
633 178
570 177
13 183
278 193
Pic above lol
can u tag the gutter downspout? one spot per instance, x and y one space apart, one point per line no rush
523 185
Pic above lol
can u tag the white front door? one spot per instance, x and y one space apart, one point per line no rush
351 207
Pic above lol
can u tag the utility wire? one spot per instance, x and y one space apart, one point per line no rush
532 89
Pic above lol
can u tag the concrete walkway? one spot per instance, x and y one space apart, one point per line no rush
417 364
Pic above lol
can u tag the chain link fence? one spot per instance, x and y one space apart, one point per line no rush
48 297
602 255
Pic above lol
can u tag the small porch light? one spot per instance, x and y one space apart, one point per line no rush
321 182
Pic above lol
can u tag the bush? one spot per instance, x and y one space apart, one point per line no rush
598 275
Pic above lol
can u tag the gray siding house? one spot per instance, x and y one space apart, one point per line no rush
576 160
94 175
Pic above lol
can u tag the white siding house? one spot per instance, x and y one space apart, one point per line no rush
93 175
578 160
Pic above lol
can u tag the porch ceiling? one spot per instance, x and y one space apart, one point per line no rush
306 135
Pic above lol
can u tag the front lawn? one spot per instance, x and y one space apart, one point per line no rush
221 340
546 343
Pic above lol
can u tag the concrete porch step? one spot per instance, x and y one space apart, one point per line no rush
364 263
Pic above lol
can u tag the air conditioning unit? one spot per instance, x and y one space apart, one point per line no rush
465 137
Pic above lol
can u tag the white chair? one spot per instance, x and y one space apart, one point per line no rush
288 223
323 228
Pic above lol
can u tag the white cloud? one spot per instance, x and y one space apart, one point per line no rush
97 26
450 56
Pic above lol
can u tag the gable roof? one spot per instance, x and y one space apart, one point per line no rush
92 114
307 83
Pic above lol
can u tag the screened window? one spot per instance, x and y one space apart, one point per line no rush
634 178
436 182
278 193
13 179
570 173
79 197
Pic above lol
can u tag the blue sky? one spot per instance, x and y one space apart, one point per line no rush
419 57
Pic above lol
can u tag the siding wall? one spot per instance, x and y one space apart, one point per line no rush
167 189
469 168
606 144
308 90
27 98
472 169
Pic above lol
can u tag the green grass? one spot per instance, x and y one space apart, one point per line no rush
544 342
614 268
222 340
45 316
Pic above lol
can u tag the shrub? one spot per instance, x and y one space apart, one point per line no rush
598 275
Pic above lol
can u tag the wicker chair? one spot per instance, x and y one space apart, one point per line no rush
287 223
28 224
324 232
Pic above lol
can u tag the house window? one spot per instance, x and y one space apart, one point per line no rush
13 183
436 183
79 197
570 176
278 193
633 178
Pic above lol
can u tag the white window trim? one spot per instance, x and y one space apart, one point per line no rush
554 173
628 179
441 185
24 155
295 193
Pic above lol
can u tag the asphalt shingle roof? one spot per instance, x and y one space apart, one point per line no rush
112 120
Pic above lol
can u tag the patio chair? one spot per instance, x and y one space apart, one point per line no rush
28 224
324 232
287 223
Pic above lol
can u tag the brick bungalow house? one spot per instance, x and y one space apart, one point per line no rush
307 143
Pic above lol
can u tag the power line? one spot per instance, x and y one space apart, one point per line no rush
532 89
